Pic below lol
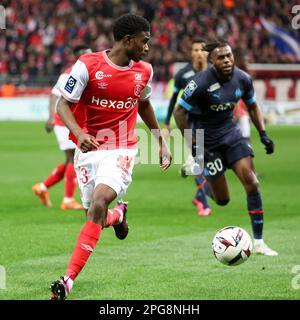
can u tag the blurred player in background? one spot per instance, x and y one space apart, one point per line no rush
210 98
182 78
66 170
111 87
240 110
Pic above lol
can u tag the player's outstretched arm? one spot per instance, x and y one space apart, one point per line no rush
86 142
258 120
147 114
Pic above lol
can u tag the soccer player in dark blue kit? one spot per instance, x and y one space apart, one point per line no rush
182 78
209 98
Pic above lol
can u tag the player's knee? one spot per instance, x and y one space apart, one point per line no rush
222 202
252 185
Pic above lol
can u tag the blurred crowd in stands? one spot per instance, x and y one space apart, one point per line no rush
40 34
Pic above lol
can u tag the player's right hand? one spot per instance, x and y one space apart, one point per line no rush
49 125
269 144
87 143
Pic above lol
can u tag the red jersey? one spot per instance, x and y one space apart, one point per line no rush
107 96
55 90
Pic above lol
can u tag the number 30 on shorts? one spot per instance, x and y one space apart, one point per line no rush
214 167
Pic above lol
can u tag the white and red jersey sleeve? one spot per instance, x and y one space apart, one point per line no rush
56 91
107 95
74 85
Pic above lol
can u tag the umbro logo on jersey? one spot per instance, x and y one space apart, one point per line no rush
101 75
70 84
102 85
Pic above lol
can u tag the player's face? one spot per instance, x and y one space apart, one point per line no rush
198 53
137 46
222 59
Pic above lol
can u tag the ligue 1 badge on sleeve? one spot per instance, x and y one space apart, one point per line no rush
70 84
190 88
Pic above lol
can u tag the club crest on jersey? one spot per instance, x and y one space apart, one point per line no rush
238 93
100 75
190 88
137 90
70 84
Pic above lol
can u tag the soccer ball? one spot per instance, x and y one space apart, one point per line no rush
232 245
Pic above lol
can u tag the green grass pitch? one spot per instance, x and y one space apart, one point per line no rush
167 254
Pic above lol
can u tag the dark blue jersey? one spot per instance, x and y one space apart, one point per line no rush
181 79
210 101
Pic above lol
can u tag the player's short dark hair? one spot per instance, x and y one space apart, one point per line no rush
198 40
129 24
210 47
80 47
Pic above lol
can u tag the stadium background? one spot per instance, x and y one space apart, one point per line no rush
176 262
37 45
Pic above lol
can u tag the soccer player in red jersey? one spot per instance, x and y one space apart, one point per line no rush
65 170
110 88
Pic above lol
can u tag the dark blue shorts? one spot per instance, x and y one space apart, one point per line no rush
224 156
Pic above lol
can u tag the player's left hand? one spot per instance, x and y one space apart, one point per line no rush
165 157
269 144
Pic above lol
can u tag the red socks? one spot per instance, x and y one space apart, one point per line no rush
86 242
70 184
55 176
58 174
